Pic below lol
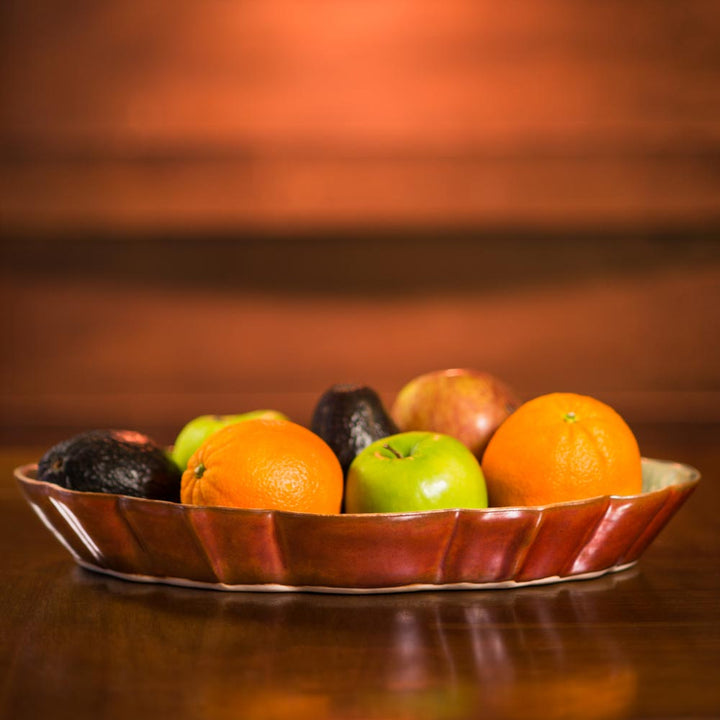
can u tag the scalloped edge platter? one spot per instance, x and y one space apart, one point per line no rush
237 550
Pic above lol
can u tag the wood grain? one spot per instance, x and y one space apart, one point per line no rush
175 116
147 335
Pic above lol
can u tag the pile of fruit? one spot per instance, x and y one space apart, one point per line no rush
452 439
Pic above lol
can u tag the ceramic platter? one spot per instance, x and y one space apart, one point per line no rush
272 551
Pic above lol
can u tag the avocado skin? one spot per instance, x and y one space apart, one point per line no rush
112 461
348 418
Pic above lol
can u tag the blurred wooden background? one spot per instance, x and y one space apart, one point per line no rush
226 205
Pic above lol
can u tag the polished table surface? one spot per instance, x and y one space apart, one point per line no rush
644 643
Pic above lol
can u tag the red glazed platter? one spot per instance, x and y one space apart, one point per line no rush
272 551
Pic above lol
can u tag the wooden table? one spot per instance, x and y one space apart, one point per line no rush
640 644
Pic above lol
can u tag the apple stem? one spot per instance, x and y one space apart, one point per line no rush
389 447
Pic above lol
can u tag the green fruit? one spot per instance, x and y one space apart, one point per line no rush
350 417
112 461
415 471
192 436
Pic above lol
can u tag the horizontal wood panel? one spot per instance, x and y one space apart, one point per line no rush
282 194
390 74
271 114
148 334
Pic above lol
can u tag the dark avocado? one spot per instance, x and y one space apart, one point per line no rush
112 461
349 418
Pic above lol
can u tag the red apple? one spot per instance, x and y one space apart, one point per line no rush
467 404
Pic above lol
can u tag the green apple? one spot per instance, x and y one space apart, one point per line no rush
415 471
198 429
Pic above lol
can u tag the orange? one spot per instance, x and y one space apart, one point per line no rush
561 447
264 464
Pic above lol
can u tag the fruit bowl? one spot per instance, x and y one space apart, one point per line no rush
272 551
